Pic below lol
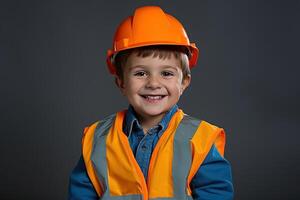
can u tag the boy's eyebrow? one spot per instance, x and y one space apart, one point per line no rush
169 66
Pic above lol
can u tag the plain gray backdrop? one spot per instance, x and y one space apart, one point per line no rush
54 82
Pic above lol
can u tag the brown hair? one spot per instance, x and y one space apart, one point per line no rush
161 51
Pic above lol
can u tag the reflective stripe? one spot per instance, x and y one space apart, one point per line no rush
182 157
87 147
99 150
91 134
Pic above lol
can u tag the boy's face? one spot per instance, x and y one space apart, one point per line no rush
152 85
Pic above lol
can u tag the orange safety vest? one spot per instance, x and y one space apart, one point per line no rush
177 156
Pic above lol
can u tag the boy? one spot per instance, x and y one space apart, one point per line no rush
152 150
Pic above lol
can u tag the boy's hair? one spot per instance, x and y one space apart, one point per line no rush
161 51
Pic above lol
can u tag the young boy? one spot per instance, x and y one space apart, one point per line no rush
152 150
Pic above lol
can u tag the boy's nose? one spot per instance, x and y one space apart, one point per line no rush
153 82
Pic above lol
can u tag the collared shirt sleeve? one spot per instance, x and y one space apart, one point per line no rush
213 180
80 186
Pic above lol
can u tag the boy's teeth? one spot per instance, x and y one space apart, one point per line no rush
153 97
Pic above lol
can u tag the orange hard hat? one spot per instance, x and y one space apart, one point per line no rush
150 25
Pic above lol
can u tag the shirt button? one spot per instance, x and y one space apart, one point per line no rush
144 147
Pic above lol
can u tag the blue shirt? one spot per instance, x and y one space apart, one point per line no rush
213 180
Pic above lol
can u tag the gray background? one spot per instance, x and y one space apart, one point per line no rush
54 82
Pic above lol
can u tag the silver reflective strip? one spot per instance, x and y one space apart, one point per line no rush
104 125
182 156
98 155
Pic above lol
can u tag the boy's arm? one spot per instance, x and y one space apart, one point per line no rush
213 180
80 186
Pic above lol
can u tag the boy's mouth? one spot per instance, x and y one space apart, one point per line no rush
153 97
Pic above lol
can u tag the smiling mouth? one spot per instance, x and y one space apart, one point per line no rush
153 97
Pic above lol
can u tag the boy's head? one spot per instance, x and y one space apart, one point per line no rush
152 78
151 58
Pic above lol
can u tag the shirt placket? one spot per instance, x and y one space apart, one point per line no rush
144 150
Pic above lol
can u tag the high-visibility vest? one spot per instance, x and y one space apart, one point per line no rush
115 174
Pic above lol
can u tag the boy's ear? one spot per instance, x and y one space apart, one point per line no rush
120 83
185 83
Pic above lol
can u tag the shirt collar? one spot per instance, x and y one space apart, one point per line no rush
131 120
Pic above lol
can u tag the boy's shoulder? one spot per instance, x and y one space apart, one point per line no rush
104 124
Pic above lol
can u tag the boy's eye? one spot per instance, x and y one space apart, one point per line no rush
140 73
167 73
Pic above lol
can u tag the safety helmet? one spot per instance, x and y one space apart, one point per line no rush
150 25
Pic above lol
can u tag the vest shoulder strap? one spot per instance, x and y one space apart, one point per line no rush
91 133
205 137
